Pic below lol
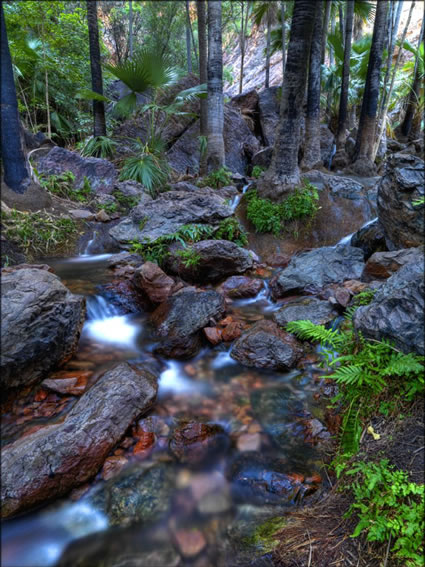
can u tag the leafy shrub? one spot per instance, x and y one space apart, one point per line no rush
190 257
62 185
267 216
257 170
99 146
148 169
230 229
362 369
125 201
389 506
217 179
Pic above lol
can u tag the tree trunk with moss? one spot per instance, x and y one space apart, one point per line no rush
99 128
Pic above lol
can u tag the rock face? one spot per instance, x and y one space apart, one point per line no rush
264 345
217 259
41 324
311 271
397 310
384 264
100 172
58 457
370 239
241 286
167 214
180 319
153 281
263 158
310 308
403 182
239 145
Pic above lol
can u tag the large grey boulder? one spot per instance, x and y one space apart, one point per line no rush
397 310
217 259
311 271
265 345
402 184
311 309
101 173
48 463
180 319
41 324
169 213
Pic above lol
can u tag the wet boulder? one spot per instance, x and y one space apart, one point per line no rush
397 310
194 442
153 281
403 183
311 271
311 309
167 214
56 458
215 260
101 173
41 324
370 239
180 319
265 345
238 287
382 265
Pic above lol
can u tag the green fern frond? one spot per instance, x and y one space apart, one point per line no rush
307 330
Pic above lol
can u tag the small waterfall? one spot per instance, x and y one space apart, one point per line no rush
237 198
333 152
99 308
105 325
86 251
347 239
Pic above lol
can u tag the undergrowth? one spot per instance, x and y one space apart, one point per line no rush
62 185
216 179
267 216
257 170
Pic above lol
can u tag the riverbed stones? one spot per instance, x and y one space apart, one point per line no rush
216 259
309 308
403 183
41 324
180 319
194 442
238 287
167 214
265 345
397 310
311 271
153 281
55 459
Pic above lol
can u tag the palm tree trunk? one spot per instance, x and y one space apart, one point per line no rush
195 51
283 174
130 28
412 101
16 174
331 62
203 76
282 11
341 24
343 104
366 133
383 116
99 128
325 28
391 45
269 25
242 46
215 87
188 39
312 156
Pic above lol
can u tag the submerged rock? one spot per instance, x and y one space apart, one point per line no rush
167 214
309 308
180 319
397 310
403 182
265 345
41 324
55 459
313 270
194 442
241 286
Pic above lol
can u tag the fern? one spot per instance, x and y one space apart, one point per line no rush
307 330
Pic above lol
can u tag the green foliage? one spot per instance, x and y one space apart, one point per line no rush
217 179
190 257
203 145
363 370
99 146
38 234
264 537
269 217
62 185
388 506
125 201
230 229
257 170
364 297
148 167
419 202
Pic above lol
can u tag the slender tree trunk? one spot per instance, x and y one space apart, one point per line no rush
99 128
242 46
383 117
343 104
282 12
130 28
312 156
412 101
393 27
341 24
188 39
331 62
269 25
325 28
203 76
195 51
216 157
366 133
16 174
46 84
283 174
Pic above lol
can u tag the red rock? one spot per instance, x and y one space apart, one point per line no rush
314 479
154 282
226 321
193 441
343 296
231 332
190 543
112 466
297 477
241 286
73 386
40 395
71 374
146 440
355 286
213 335
279 260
